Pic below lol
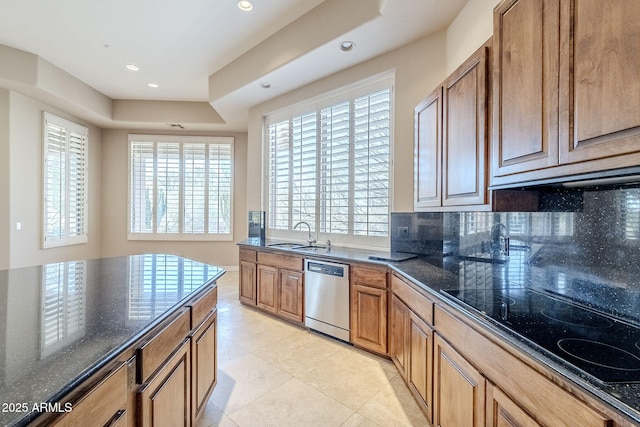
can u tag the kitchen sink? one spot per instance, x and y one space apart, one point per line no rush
313 248
287 245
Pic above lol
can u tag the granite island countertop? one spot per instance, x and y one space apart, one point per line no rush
62 322
436 273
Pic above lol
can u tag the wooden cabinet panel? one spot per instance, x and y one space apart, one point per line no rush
421 362
416 301
399 335
599 79
201 306
428 152
104 404
525 86
515 377
465 137
375 277
248 255
504 412
369 318
290 295
165 400
267 288
153 353
203 364
459 389
248 281
279 260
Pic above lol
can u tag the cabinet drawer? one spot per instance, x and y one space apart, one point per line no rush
416 301
280 261
102 404
369 276
248 255
154 352
202 305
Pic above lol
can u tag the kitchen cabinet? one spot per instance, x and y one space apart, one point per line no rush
451 139
165 399
280 285
248 277
204 316
566 88
462 352
104 404
411 340
502 411
459 389
369 307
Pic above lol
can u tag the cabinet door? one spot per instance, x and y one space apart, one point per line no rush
290 295
267 288
465 137
248 282
399 335
369 318
458 389
421 362
600 79
428 152
103 404
525 86
166 399
203 364
504 412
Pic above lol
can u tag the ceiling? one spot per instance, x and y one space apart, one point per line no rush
210 50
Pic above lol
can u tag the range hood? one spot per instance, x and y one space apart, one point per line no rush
608 178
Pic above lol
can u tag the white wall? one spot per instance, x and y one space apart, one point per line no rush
4 180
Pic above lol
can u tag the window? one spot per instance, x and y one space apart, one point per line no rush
329 165
65 182
180 188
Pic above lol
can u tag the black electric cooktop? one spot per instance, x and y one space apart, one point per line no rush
601 346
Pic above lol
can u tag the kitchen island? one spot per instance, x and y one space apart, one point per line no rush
63 324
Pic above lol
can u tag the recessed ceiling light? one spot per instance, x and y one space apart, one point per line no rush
265 85
153 85
245 5
347 46
132 67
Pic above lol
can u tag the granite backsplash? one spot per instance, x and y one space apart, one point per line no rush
596 247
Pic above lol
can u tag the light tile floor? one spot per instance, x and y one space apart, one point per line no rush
272 373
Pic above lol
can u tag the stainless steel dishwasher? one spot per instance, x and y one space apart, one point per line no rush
326 299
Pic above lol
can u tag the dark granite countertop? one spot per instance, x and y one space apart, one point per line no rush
526 268
62 322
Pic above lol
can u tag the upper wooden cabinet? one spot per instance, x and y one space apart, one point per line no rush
566 88
451 139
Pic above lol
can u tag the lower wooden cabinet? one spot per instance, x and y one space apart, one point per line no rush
458 389
399 335
104 404
290 295
248 281
203 364
165 400
419 376
369 318
502 411
267 288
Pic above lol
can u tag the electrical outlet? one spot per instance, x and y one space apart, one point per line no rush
403 233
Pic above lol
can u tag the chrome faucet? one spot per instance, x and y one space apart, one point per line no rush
311 240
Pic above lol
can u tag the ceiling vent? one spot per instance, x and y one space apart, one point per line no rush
176 126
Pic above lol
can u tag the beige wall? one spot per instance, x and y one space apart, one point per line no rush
472 27
25 186
115 204
4 180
